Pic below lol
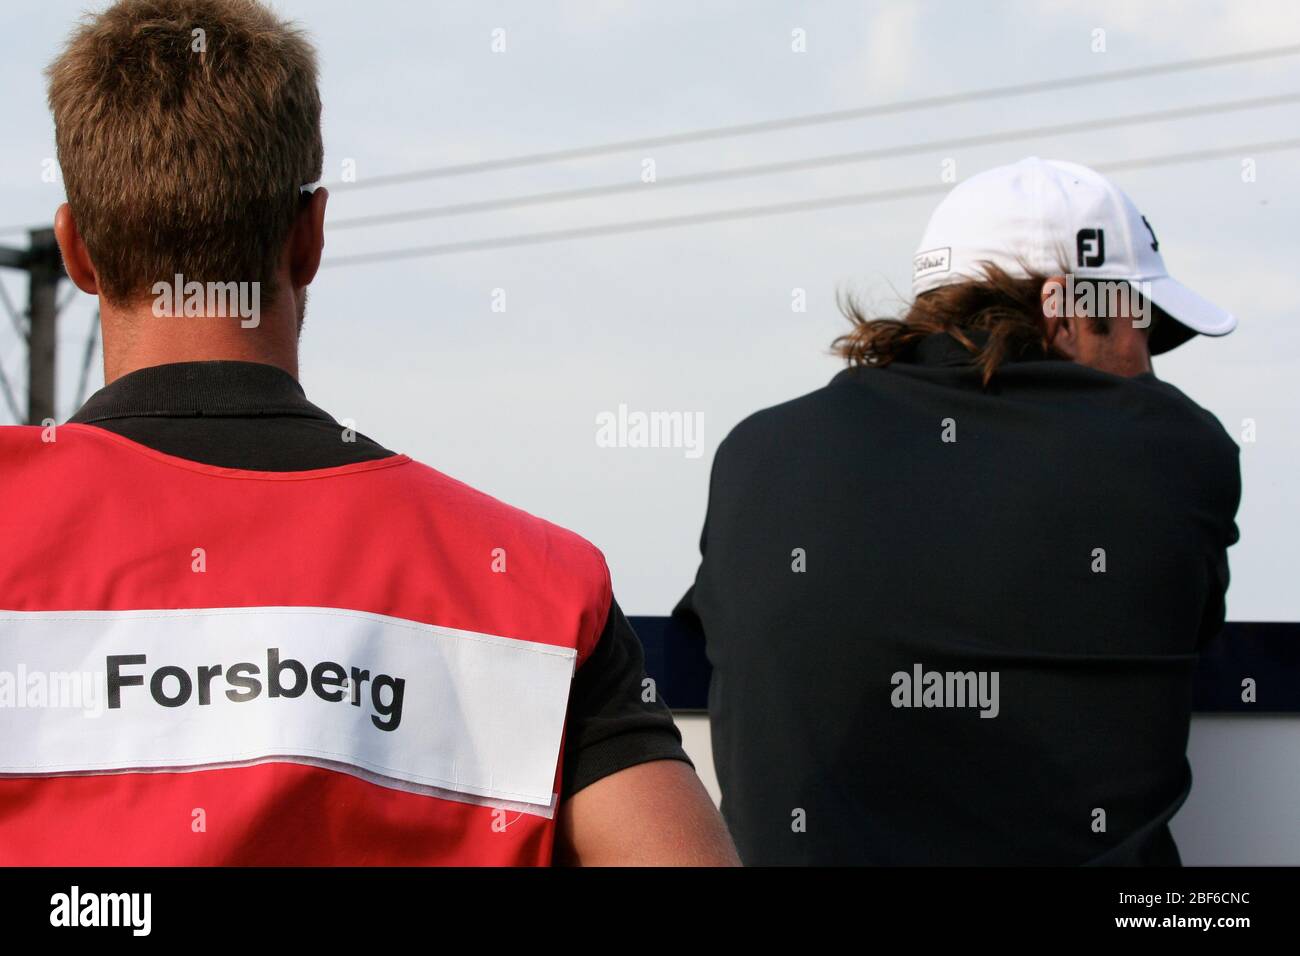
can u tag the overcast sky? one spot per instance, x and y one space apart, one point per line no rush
699 318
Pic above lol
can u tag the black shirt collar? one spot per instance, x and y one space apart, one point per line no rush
941 349
200 389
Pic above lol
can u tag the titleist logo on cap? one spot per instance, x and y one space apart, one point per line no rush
930 261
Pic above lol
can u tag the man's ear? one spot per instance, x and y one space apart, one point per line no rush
1060 326
307 239
76 260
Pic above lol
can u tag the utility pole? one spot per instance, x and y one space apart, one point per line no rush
44 267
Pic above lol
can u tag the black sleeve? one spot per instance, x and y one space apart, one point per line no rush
611 725
1215 612
686 614
1219 575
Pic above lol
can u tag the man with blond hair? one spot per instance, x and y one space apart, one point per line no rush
309 649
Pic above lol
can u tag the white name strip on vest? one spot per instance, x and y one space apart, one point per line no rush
466 715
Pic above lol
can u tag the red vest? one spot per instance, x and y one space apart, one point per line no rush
367 664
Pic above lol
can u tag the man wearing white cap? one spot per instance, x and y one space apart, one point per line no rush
954 599
1046 217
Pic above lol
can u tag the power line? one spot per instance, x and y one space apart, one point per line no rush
9 396
755 212
92 338
811 119
14 314
816 162
815 119
68 297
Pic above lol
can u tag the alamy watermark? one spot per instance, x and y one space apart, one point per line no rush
1100 298
59 690
178 298
922 688
632 429
74 908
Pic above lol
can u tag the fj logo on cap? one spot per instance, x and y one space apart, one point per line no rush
1155 243
931 260
1090 244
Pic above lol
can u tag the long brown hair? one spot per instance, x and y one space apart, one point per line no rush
1006 310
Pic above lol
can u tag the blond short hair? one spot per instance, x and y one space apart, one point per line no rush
185 129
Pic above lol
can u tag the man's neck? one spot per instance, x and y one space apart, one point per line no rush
135 338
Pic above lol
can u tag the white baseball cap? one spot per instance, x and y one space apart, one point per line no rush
1048 217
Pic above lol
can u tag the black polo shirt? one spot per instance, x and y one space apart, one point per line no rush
878 551
256 417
